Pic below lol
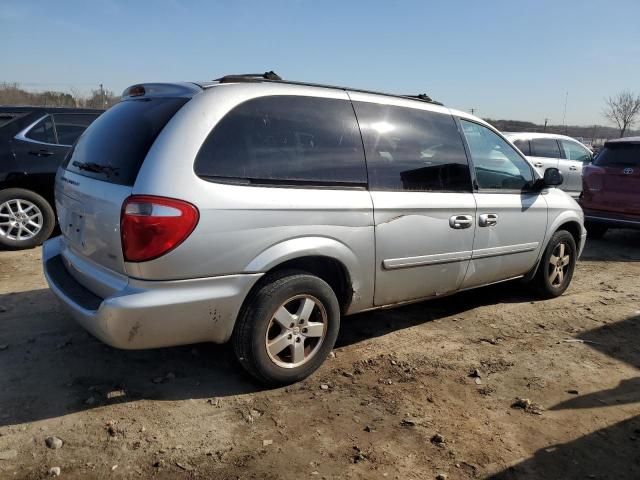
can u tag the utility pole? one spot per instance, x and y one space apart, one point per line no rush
564 114
545 124
104 102
473 111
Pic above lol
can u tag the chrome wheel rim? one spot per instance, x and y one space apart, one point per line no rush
559 264
296 331
20 219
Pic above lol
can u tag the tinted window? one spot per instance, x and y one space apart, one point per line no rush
69 126
575 151
497 164
43 131
523 146
280 139
412 149
619 155
545 147
114 146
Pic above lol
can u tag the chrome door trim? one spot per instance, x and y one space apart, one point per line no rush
21 135
505 250
406 262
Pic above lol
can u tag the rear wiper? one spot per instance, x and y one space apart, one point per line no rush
96 168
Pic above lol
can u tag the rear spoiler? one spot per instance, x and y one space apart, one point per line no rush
161 90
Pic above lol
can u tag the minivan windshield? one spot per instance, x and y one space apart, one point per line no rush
113 148
619 155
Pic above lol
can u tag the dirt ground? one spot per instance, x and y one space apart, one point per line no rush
397 401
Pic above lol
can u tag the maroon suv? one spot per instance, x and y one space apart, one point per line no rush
611 187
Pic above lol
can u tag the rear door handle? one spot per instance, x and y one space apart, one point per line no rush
488 219
573 167
41 153
460 221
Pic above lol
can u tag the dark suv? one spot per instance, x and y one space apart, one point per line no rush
33 142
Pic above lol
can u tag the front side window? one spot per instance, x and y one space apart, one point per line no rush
43 131
497 164
545 147
575 151
69 126
285 139
412 149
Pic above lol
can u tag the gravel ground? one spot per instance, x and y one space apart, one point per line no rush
491 383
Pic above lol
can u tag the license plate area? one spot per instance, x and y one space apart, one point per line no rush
72 220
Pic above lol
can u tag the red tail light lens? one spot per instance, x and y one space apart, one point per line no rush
153 226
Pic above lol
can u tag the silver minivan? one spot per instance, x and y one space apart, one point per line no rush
262 211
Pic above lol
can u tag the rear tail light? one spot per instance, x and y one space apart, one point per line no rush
592 179
153 226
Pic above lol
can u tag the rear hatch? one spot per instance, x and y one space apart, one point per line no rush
612 183
99 174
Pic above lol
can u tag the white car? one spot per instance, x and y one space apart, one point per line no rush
546 150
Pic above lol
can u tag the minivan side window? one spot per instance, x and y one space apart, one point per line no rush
43 131
498 166
412 149
545 147
69 126
285 139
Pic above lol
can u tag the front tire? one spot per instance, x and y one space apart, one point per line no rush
556 266
287 328
26 219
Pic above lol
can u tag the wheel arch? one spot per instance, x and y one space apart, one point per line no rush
327 258
569 221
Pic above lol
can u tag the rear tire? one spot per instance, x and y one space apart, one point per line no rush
287 327
556 265
26 219
596 230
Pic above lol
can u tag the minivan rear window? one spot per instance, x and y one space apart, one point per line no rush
113 148
619 155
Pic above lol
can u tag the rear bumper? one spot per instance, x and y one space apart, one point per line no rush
151 314
611 219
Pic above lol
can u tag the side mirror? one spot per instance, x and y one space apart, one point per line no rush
552 177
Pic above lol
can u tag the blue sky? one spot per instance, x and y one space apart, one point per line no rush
507 59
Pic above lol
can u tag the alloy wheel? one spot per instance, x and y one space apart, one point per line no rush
296 331
20 219
559 263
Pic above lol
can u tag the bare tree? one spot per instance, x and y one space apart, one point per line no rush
78 98
623 110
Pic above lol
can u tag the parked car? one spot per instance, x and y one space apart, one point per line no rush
547 150
261 211
33 143
611 193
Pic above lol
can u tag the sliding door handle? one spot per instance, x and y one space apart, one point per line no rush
460 221
488 219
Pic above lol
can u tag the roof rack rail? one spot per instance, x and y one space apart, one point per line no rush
424 97
249 77
271 76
